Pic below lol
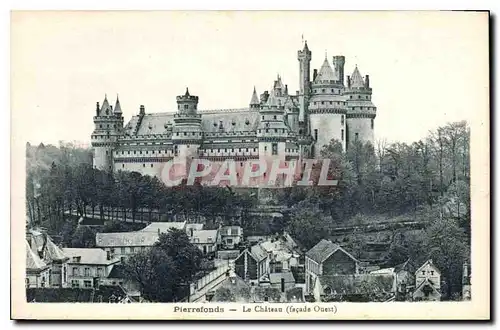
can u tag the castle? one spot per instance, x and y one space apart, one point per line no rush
276 125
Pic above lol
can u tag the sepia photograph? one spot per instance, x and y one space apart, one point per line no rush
250 165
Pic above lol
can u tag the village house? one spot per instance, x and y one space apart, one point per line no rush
50 254
37 271
403 278
118 277
427 282
191 227
205 240
87 265
327 258
123 245
231 236
252 264
281 256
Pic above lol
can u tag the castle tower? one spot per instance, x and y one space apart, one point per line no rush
108 126
361 112
304 56
338 65
187 132
327 108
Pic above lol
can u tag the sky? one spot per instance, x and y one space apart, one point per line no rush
426 68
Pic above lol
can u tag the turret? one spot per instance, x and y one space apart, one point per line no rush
361 112
187 132
304 56
338 64
327 108
254 102
108 126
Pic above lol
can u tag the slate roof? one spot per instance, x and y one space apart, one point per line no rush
244 119
33 261
232 289
118 108
258 252
89 256
204 236
357 79
357 284
275 278
43 245
259 294
194 226
164 227
325 74
255 98
322 250
117 271
137 238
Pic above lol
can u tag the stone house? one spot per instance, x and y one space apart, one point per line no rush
123 245
37 271
252 264
85 266
205 240
231 236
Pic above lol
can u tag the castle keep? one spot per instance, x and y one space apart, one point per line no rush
276 125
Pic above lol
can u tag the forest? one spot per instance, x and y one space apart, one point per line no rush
426 181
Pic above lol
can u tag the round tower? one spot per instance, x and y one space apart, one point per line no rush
327 108
187 132
361 112
108 127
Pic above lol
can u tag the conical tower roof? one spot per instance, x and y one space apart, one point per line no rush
255 98
33 262
325 73
272 101
118 108
357 79
105 103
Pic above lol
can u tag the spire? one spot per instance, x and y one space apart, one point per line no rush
272 102
105 103
255 99
118 108
187 92
325 73
305 46
357 79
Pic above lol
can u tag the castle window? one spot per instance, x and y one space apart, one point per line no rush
262 117
274 117
432 272
350 96
265 148
316 134
359 96
315 91
323 90
331 102
333 90
356 136
274 148
372 123
267 131
423 272
275 130
314 103
106 152
185 133
100 126
123 165
342 135
151 165
342 120
185 106
107 126
143 165
247 149
140 152
322 102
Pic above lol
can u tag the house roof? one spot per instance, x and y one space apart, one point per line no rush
117 271
89 256
164 227
33 261
408 265
43 244
135 238
262 294
258 252
324 249
232 289
227 230
194 226
204 236
428 262
275 278
356 284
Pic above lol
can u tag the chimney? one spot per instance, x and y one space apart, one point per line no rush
158 231
367 81
348 81
286 90
282 284
97 109
315 74
142 110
